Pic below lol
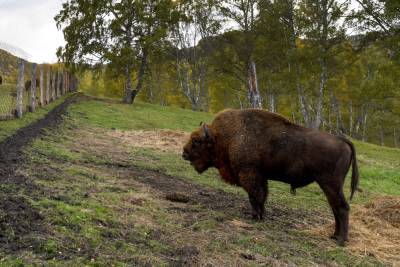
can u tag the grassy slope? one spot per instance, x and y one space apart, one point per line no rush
379 166
7 128
83 221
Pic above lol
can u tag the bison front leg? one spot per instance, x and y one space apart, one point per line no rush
257 189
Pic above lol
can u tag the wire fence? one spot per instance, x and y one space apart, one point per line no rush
28 86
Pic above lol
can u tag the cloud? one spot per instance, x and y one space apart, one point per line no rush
29 24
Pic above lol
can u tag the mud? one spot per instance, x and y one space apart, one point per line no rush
19 220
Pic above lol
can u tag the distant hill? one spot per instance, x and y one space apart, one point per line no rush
8 65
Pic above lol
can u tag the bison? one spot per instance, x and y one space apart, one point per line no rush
250 147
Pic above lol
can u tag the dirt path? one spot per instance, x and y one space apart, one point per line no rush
18 219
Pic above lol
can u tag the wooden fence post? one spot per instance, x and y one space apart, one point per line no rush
32 105
64 83
20 88
59 84
41 86
53 87
48 78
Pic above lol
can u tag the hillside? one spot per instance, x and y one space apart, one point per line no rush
8 66
106 186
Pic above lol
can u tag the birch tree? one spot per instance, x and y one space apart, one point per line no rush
120 32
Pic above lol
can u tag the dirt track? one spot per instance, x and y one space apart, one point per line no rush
18 219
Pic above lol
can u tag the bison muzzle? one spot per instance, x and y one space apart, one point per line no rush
250 147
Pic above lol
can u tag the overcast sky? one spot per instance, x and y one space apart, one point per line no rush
29 25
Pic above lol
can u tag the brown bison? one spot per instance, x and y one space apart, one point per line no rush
250 147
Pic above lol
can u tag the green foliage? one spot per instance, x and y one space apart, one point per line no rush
199 57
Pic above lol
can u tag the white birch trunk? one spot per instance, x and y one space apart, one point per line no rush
253 91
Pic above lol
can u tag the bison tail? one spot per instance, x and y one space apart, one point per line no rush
355 174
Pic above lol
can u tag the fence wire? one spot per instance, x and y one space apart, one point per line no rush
56 82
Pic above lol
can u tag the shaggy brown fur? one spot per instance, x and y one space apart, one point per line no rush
250 147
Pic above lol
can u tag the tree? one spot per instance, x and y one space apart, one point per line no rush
192 40
121 33
244 13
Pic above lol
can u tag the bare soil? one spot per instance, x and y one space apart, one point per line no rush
163 140
18 219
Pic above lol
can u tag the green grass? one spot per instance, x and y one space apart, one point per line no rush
9 127
138 116
379 166
98 215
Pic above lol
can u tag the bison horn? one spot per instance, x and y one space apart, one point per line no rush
206 131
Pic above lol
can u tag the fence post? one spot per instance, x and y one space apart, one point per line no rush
53 87
33 89
41 86
58 84
61 83
20 88
48 78
65 82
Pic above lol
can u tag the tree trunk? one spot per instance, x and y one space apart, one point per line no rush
128 99
293 60
203 93
272 104
323 43
381 135
322 85
141 74
351 118
364 132
253 92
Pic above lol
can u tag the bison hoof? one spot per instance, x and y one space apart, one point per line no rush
340 242
257 217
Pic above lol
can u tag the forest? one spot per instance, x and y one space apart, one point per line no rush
328 64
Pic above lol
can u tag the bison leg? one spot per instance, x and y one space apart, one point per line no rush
340 209
257 189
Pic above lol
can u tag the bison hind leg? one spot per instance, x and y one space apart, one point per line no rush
340 209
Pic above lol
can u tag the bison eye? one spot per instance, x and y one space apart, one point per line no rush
196 142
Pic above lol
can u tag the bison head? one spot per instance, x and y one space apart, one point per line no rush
199 150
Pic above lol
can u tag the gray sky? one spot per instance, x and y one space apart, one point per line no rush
29 25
